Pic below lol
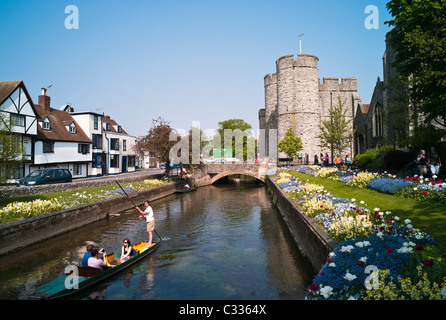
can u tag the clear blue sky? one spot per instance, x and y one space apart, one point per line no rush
183 60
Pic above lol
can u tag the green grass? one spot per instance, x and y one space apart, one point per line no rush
49 196
430 216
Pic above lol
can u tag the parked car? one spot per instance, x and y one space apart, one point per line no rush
46 176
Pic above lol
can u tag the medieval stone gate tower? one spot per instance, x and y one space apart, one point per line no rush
295 97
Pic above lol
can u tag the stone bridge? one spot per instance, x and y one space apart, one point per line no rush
210 173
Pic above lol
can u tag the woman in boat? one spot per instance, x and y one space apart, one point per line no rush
126 252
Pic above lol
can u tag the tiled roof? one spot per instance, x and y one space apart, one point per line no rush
58 132
6 88
107 119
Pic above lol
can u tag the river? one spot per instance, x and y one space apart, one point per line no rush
220 242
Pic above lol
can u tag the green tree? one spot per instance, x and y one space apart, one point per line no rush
419 39
335 132
12 151
238 135
157 141
290 144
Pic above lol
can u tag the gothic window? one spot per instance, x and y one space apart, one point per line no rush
378 120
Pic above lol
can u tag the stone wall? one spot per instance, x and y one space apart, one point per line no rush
313 242
19 234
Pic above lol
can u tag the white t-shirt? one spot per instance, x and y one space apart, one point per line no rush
95 263
149 214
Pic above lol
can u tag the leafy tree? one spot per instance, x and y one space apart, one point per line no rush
290 144
419 39
12 151
335 132
237 134
157 141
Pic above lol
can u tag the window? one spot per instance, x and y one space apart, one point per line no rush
96 121
124 145
77 169
131 161
97 141
119 129
17 120
114 161
107 127
114 144
83 148
48 146
378 120
46 124
72 128
97 160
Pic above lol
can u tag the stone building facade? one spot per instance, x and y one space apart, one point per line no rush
295 97
387 115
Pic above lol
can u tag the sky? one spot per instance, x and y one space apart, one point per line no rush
187 61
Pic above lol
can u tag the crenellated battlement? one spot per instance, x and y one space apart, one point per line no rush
270 79
336 84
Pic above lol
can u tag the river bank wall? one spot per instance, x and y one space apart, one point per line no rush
20 234
313 242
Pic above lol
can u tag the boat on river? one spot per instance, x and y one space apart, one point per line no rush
187 190
80 278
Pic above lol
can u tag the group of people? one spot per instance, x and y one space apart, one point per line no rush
433 161
337 161
92 257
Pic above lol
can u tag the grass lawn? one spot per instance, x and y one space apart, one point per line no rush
49 196
431 216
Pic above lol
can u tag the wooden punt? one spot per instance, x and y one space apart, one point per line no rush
187 190
84 277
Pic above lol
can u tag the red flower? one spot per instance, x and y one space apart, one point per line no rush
329 260
390 249
424 193
419 247
361 263
439 185
314 286
429 262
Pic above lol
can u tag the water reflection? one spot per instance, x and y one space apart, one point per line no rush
220 242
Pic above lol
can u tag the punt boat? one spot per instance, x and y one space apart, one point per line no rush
187 190
83 277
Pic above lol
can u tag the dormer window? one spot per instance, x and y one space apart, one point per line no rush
107 127
46 124
72 128
119 129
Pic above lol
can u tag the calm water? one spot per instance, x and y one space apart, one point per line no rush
220 242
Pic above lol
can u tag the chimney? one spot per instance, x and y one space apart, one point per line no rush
44 100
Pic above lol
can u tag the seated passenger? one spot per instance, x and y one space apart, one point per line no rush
87 255
186 187
126 252
95 262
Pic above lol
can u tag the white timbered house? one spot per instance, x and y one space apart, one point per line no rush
60 141
18 115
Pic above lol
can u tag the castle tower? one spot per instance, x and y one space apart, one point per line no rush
270 85
298 99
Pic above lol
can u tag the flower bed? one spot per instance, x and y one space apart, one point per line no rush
378 257
22 210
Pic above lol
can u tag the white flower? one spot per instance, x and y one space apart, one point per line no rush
332 264
366 243
363 259
348 248
376 209
353 199
332 254
362 202
350 277
407 221
415 188
396 218
326 291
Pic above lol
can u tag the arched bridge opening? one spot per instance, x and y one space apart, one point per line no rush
235 177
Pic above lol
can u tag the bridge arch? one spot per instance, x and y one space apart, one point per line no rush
221 175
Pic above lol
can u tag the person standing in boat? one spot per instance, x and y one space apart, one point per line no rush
148 214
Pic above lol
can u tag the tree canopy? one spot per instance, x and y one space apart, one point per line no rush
290 144
419 39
